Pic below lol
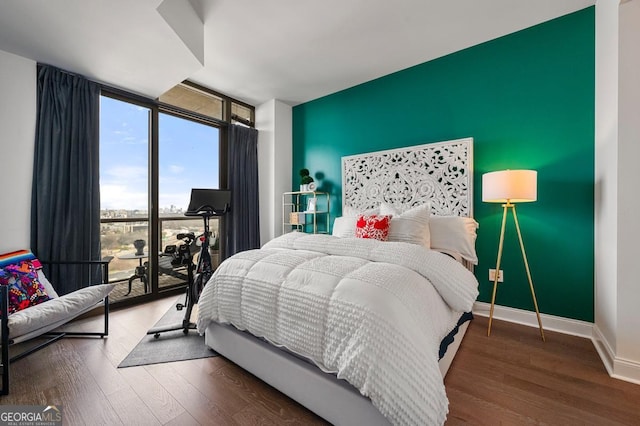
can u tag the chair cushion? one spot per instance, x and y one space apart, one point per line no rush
49 315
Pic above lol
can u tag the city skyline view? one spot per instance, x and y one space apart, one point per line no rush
188 158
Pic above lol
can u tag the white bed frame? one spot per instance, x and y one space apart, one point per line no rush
440 173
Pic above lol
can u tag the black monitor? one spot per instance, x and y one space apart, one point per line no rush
209 202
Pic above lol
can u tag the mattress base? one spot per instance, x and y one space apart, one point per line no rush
331 398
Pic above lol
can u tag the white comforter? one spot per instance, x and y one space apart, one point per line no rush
373 313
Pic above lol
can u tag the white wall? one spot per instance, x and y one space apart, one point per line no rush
617 317
17 134
606 168
274 124
628 337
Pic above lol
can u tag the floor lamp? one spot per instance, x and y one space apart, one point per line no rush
509 187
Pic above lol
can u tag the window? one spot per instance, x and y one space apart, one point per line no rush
124 184
242 114
152 152
188 158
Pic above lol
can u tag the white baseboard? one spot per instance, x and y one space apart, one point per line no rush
618 368
528 318
603 348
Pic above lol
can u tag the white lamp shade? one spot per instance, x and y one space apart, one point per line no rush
515 186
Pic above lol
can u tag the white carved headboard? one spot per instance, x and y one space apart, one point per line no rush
440 173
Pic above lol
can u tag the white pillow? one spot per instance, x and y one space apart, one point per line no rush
411 226
344 227
455 235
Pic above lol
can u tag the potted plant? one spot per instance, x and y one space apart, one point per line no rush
305 180
139 245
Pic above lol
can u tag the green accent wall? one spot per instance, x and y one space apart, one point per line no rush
528 101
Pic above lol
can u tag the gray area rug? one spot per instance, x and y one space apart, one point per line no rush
170 346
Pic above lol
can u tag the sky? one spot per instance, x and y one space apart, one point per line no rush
188 157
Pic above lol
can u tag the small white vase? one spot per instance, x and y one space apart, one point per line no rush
304 188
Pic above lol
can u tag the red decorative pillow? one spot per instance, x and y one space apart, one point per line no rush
373 226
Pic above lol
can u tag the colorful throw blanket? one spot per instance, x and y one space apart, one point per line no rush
19 272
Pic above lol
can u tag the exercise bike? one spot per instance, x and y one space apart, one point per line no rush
197 275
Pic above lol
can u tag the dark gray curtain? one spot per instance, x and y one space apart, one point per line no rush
65 200
243 222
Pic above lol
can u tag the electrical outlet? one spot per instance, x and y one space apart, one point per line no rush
492 275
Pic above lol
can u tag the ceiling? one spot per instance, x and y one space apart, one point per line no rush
255 51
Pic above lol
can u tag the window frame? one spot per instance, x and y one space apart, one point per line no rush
156 107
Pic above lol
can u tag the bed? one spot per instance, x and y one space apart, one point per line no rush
358 330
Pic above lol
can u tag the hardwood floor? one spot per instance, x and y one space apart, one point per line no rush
514 378
510 378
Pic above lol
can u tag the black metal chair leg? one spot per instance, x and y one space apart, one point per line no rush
133 277
4 329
